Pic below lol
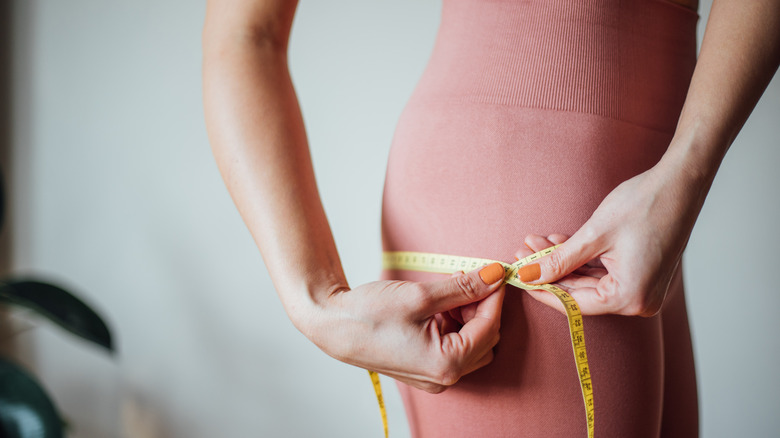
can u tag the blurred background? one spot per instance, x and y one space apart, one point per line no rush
114 193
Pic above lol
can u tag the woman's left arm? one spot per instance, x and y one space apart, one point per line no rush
640 230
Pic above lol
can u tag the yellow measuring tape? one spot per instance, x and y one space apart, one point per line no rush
448 264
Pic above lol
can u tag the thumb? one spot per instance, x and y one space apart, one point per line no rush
443 295
569 256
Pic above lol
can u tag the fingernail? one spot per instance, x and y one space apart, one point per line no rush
491 273
529 273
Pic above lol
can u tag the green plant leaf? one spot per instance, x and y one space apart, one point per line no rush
59 306
26 411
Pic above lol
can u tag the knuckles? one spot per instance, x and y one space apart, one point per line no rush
649 307
590 234
432 388
633 309
626 298
496 338
444 376
446 372
447 377
643 303
468 286
555 263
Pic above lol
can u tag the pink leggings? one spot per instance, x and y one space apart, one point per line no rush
528 114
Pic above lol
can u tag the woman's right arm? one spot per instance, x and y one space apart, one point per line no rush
259 141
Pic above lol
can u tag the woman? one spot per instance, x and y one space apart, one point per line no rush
533 119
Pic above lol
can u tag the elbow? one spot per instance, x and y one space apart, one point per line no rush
259 26
255 38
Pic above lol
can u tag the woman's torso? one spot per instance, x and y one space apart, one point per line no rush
533 110
527 115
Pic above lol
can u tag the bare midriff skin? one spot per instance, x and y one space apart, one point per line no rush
690 4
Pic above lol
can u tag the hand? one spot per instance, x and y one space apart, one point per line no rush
582 280
396 327
629 248
454 319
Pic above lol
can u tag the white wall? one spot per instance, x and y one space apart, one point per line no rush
116 195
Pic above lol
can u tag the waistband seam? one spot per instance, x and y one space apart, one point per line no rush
469 102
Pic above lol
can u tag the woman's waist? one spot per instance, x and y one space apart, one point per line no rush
465 142
625 60
496 170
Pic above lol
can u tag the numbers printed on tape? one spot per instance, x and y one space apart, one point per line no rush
447 264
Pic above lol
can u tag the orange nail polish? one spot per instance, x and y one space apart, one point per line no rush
529 272
491 273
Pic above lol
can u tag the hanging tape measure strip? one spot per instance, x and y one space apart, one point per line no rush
379 399
448 264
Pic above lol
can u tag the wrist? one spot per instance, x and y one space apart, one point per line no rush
314 313
691 166
686 171
694 155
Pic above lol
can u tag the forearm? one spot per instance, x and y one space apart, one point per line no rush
739 56
258 138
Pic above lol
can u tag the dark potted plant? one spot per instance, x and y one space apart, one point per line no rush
26 410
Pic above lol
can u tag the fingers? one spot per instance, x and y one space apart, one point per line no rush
448 324
612 297
461 352
433 352
441 296
456 312
436 388
462 314
524 251
575 281
594 300
572 254
484 360
557 238
468 312
547 298
588 271
535 243
595 290
582 282
478 335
